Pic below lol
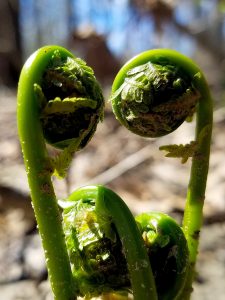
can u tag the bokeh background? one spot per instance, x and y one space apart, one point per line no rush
106 33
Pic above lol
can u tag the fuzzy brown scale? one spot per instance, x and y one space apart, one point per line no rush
46 189
196 235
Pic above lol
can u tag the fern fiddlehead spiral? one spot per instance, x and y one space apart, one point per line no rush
153 98
105 245
152 95
167 250
59 101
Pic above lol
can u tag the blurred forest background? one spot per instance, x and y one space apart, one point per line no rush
106 33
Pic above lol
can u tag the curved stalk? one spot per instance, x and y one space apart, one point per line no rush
33 106
199 91
193 213
109 206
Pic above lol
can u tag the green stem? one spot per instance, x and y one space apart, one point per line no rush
193 215
110 204
39 172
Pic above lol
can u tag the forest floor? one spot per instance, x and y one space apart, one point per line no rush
136 170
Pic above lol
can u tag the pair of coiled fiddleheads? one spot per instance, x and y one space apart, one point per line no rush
59 100
101 232
60 97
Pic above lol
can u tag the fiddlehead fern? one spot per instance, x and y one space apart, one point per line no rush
71 103
106 249
167 251
154 98
152 95
59 101
100 234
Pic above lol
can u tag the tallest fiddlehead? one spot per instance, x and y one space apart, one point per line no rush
59 101
152 95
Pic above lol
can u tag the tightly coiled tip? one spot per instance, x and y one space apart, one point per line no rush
97 254
153 96
167 250
95 250
74 103
69 97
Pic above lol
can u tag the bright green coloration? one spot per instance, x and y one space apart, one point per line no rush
167 251
200 95
44 91
100 230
